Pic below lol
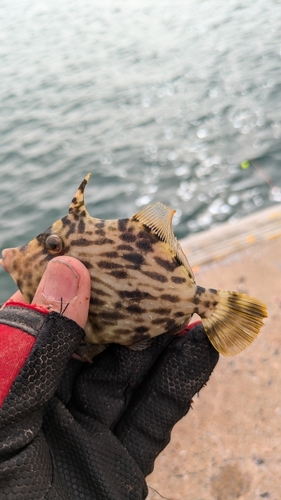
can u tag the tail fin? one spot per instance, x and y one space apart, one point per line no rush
233 322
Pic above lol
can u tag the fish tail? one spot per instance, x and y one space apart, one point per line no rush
232 320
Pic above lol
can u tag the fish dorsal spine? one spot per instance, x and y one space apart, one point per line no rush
77 205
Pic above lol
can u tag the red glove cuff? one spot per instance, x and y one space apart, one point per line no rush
28 306
15 347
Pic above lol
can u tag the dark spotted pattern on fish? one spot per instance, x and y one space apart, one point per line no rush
124 253
141 282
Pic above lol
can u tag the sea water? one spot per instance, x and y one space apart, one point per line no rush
172 101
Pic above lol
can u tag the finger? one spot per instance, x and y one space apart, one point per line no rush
65 286
18 297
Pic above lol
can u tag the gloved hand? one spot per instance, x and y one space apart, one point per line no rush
70 429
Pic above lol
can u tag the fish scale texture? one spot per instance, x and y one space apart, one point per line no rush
73 430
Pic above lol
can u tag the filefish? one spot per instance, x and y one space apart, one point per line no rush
141 282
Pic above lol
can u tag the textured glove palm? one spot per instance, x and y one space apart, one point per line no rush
76 430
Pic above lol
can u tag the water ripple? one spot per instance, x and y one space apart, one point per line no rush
161 101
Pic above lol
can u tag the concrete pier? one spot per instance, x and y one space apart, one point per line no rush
229 446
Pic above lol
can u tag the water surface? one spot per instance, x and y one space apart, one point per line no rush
161 101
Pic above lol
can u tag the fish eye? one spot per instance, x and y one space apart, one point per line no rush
54 244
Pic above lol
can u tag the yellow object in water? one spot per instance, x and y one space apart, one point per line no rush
245 164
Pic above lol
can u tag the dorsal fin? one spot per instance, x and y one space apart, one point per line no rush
77 204
158 218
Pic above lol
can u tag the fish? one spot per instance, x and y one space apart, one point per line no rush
142 284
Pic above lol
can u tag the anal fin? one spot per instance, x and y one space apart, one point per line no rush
140 346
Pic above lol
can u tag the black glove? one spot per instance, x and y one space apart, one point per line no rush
70 429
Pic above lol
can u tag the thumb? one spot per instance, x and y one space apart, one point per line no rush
65 287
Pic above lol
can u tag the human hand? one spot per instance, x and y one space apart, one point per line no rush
69 428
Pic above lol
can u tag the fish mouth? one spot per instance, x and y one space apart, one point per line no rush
2 261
